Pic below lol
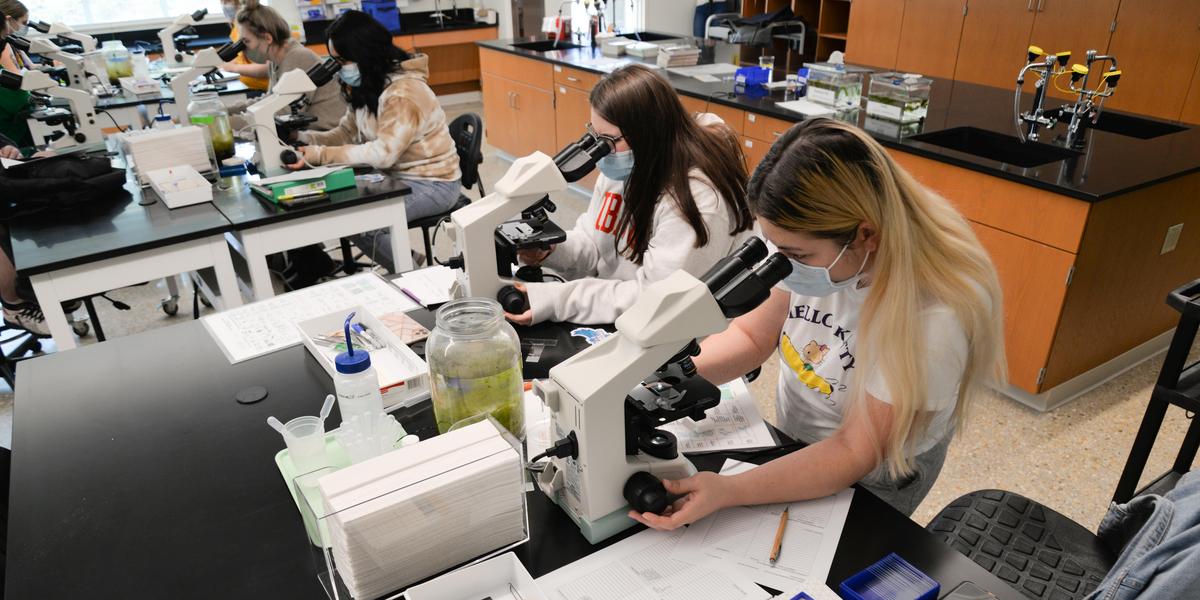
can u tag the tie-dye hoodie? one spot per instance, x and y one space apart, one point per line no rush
407 139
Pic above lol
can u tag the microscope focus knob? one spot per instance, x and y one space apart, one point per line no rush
288 157
646 493
512 300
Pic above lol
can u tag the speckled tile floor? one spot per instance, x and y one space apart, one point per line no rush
1069 458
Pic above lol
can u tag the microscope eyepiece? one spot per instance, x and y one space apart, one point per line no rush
199 15
323 72
40 26
580 157
230 50
10 80
18 42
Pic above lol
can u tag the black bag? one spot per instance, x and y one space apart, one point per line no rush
61 184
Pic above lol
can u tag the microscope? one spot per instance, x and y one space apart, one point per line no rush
1089 103
73 64
1047 66
273 151
61 31
489 241
207 64
172 56
608 402
79 121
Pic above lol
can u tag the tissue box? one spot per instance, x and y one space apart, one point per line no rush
180 186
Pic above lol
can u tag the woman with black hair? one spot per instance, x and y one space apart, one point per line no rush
394 123
670 196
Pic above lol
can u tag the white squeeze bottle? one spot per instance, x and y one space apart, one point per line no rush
356 385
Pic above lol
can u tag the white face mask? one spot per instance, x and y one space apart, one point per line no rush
807 280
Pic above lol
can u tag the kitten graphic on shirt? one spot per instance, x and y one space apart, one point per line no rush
804 363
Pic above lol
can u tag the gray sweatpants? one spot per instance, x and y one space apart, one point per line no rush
907 492
429 197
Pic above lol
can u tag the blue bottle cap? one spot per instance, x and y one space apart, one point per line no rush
351 361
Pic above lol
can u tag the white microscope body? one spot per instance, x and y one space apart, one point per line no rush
77 76
291 87
593 396
206 60
87 42
172 56
83 110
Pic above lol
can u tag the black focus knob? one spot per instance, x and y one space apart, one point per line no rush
512 300
289 157
646 493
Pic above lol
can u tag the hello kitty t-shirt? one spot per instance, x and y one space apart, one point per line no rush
818 366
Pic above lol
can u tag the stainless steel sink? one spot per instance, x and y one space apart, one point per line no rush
545 46
995 146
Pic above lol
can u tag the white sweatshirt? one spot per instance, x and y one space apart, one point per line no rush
602 283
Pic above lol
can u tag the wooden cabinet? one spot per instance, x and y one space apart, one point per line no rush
766 129
930 32
874 32
733 117
1074 25
1191 106
576 78
754 151
995 39
1157 44
1033 280
693 105
517 100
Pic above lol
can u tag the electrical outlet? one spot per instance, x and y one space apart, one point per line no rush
1172 238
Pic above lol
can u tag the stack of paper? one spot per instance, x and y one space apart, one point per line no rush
642 49
415 512
678 56
154 149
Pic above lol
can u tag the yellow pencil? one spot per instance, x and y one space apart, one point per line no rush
783 519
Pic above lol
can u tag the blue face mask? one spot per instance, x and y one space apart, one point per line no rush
350 75
807 280
229 10
617 165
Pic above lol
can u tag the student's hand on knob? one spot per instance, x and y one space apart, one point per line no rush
703 494
43 154
523 318
533 256
304 155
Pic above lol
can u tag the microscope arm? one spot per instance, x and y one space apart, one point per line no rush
207 60
83 106
166 36
527 181
87 42
290 88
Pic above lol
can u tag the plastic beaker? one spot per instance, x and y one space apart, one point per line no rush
305 439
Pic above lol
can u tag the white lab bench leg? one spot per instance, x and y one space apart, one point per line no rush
51 303
256 260
231 296
401 252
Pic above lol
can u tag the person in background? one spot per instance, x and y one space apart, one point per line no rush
670 196
394 124
265 31
889 322
14 104
250 64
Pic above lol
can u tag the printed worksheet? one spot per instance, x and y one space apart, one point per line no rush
743 536
641 568
734 424
269 325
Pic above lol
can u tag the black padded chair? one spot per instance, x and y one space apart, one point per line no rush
467 131
1045 554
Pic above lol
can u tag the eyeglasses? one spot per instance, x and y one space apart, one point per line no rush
608 139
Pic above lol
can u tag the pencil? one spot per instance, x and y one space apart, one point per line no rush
783 519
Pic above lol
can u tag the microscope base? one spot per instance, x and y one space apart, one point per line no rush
601 529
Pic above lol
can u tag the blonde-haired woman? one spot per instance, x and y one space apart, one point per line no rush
889 322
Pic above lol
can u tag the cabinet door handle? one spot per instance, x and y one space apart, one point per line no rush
1029 6
1040 3
516 96
777 134
572 79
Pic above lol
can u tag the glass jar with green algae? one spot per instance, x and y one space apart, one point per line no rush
207 110
474 359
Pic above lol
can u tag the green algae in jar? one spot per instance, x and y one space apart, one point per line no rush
474 361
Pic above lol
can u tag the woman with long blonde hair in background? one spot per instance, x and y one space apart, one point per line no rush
889 322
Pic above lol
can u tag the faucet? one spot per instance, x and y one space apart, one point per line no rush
558 34
1089 103
1047 66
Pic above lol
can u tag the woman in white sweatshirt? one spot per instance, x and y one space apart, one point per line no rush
670 196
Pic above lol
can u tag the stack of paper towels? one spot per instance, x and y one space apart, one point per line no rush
412 513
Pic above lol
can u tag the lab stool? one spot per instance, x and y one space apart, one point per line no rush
16 345
1038 551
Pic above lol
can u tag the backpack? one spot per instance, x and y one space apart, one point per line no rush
61 184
